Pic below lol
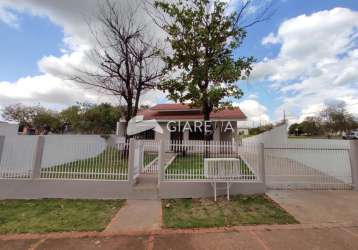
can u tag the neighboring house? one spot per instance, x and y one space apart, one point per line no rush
8 128
178 122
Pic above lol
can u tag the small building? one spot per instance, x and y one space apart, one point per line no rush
182 122
8 128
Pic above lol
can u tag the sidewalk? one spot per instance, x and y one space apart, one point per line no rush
329 221
137 215
251 237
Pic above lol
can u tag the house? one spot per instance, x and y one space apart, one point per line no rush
182 122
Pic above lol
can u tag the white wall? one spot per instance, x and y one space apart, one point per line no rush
18 150
275 136
17 154
60 149
328 156
8 129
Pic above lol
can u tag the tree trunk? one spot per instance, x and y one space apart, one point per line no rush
206 113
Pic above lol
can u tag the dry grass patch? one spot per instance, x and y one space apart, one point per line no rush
56 215
240 210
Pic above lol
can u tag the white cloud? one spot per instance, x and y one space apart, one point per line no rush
317 60
49 88
252 96
270 39
255 111
8 17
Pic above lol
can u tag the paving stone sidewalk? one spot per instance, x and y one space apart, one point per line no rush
293 237
137 216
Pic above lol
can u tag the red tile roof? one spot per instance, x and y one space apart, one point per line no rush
173 107
177 111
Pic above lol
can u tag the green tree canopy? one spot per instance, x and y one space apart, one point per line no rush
202 68
82 118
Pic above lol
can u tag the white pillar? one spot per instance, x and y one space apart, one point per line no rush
262 164
161 163
37 158
353 156
131 160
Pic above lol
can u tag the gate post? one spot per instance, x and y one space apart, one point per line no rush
161 154
262 164
37 158
131 161
353 157
141 156
2 142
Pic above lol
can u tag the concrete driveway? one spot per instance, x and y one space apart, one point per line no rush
318 206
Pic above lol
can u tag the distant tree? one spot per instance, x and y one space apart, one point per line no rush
295 129
101 119
22 114
260 129
336 118
312 126
47 121
72 118
202 68
91 119
126 58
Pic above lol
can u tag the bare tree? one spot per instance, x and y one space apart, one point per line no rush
126 61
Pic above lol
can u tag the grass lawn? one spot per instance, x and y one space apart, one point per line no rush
240 210
56 215
111 164
194 164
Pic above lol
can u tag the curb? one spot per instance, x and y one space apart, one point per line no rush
165 231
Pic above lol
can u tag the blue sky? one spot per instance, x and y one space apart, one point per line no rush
39 39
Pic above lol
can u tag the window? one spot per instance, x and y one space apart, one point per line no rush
146 135
198 135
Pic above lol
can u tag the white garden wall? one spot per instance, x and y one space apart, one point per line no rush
8 129
325 155
58 149
275 136
17 154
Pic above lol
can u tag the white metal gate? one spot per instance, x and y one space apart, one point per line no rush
149 156
308 166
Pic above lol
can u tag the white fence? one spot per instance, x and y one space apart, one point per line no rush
303 164
69 148
64 157
93 161
17 156
185 161
306 165
150 157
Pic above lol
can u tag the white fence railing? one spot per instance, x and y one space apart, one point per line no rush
17 156
296 164
308 166
92 161
150 157
185 161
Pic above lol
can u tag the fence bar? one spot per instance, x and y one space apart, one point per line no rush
2 141
353 156
161 156
131 161
262 164
37 159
